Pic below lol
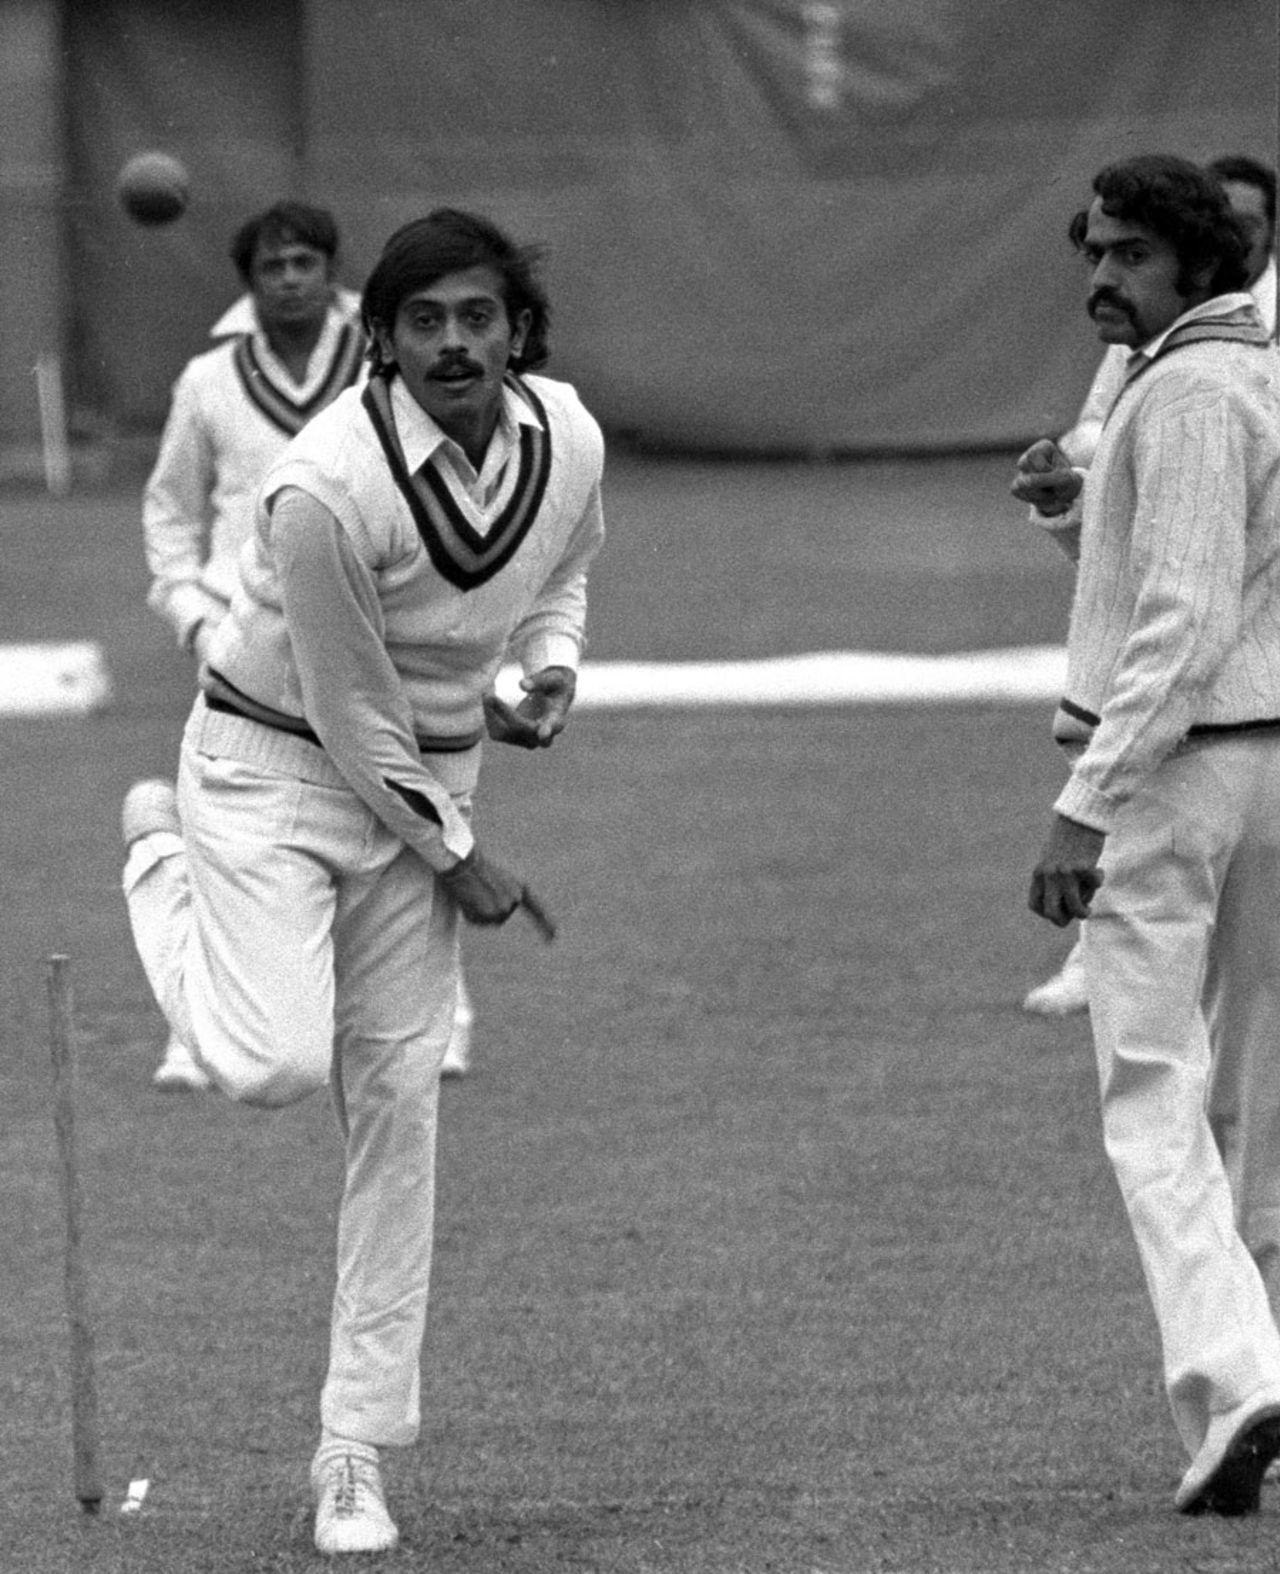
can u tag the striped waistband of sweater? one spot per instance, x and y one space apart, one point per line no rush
222 695
1074 723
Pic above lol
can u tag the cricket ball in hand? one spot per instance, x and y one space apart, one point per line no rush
153 188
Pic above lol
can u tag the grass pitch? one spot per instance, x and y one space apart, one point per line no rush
772 1235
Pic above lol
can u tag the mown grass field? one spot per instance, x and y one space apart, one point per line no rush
772 1235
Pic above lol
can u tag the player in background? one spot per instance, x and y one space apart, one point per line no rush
1251 190
285 349
1167 834
296 907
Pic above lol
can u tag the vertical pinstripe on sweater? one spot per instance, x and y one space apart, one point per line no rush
1176 618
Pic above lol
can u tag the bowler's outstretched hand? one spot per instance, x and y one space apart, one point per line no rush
488 894
1045 478
1065 880
540 715
485 892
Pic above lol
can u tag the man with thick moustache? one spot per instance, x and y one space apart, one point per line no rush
1167 834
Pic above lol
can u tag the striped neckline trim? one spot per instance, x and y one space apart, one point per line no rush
287 414
457 550
1242 326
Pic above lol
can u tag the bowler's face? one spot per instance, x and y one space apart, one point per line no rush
452 342
1133 290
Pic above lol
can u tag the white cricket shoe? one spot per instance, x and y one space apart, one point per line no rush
1063 994
178 1071
351 1512
149 806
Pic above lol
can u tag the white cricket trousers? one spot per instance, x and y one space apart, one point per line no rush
294 942
1182 953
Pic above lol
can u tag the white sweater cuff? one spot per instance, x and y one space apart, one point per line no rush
1086 805
549 650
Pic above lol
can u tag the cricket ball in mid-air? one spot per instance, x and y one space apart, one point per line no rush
153 188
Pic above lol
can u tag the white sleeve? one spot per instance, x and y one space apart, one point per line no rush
352 694
551 633
177 515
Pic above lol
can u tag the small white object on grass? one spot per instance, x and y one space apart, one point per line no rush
135 1496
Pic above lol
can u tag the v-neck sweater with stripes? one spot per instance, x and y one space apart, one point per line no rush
379 620
218 443
1175 625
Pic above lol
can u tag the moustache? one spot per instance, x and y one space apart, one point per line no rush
456 363
1106 297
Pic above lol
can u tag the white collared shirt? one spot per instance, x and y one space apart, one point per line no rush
484 492
1218 306
241 316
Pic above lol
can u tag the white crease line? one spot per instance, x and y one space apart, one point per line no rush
72 679
1020 674
53 679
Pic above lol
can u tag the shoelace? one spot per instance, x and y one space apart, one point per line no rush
357 1475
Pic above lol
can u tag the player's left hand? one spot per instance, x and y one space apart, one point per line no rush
1045 479
540 715
486 893
1065 880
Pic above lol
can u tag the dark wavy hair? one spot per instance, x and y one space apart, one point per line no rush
1182 204
1246 171
450 241
284 224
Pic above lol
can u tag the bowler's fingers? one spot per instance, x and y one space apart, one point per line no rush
497 709
1037 896
544 714
1031 489
1043 455
505 724
1090 880
1063 895
549 728
542 919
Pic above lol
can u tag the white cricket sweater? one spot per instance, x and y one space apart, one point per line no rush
1175 623
380 629
217 444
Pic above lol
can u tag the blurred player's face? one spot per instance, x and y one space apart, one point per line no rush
1133 291
291 285
452 342
1249 205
